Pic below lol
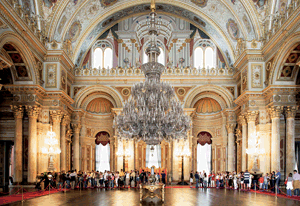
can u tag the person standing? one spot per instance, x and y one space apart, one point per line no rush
296 182
278 176
73 176
163 177
197 179
289 185
191 178
246 179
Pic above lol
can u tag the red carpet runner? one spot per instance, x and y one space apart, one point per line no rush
26 196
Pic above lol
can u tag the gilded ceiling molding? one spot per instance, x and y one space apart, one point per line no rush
193 9
17 41
223 92
83 93
281 56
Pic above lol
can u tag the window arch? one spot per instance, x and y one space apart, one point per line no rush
102 55
204 54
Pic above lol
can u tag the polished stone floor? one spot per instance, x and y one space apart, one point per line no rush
173 197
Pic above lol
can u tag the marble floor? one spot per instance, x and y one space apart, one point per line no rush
173 197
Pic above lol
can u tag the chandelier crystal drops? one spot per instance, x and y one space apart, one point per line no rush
152 113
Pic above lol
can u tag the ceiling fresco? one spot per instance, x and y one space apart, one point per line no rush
84 20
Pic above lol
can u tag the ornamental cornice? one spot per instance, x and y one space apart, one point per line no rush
21 24
249 55
245 97
60 56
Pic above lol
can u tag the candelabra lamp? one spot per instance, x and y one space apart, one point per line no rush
183 153
255 150
51 149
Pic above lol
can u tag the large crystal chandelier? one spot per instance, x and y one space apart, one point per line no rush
152 113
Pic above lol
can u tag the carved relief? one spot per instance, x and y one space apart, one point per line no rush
256 76
51 70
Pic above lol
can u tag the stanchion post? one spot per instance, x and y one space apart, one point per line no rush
22 193
65 187
49 188
276 190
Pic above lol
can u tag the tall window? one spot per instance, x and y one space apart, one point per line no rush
198 58
209 57
103 55
161 57
102 157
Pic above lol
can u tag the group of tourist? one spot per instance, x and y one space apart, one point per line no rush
107 179
231 180
246 181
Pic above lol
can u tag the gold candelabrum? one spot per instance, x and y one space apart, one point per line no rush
51 149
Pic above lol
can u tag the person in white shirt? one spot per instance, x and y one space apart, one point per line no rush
127 178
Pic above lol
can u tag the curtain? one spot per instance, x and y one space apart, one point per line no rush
102 157
204 158
147 155
159 155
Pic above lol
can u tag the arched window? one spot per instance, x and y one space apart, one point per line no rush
108 58
209 57
198 57
161 57
205 54
103 55
145 57
98 58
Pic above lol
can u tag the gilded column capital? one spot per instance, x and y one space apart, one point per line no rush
17 110
291 111
56 115
76 127
275 111
242 120
66 120
230 127
33 111
251 116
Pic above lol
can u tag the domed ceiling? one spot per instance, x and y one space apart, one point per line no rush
207 105
99 106
83 21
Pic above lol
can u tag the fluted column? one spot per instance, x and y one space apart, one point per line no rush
76 148
231 146
244 142
63 157
56 116
275 112
251 118
290 138
18 166
33 112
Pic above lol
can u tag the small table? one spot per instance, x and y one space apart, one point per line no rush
149 191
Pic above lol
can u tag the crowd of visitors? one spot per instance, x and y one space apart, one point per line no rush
231 180
107 179
247 181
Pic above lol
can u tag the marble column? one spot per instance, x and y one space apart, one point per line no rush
91 157
231 146
275 112
112 153
18 164
33 112
76 148
63 157
251 118
244 142
56 116
290 138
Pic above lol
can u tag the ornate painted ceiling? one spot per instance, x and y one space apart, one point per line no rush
83 21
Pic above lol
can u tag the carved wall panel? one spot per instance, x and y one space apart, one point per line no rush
256 75
51 76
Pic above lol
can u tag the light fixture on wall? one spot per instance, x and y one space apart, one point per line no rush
255 150
152 113
51 149
184 152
